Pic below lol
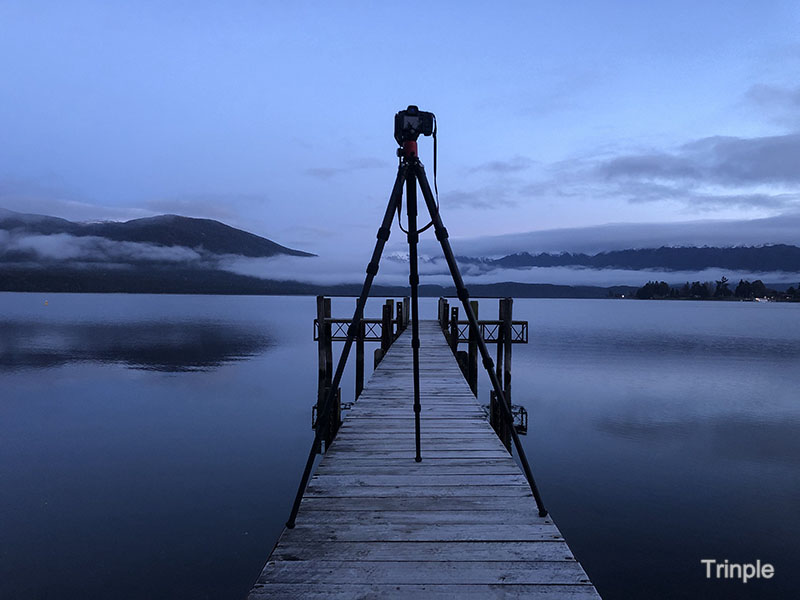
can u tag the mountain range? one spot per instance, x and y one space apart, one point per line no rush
778 257
175 254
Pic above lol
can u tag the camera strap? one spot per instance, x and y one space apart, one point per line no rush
435 185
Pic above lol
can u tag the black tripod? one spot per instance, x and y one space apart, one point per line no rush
409 124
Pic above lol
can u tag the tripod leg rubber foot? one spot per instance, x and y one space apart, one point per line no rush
289 524
418 459
543 513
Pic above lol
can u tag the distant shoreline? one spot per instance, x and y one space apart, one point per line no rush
101 280
148 280
718 290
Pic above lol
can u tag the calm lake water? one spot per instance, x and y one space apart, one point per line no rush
150 446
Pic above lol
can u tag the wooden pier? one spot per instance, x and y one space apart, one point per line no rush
461 524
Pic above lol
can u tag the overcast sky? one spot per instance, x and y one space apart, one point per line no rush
277 116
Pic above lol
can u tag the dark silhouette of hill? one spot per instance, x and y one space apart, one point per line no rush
779 257
164 230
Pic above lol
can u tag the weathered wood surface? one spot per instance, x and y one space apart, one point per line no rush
461 524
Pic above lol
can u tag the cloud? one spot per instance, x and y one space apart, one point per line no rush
706 174
47 198
330 269
761 160
227 208
512 165
781 104
717 160
781 229
323 172
486 197
333 270
356 164
609 277
651 166
63 247
711 173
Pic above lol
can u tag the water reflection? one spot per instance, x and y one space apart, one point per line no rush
733 438
146 345
662 345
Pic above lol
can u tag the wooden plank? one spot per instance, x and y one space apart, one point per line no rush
426 572
427 453
371 468
416 480
553 550
425 532
371 591
417 503
397 491
496 513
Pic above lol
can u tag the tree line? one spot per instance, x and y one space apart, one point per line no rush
718 290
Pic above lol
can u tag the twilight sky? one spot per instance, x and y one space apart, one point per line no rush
277 117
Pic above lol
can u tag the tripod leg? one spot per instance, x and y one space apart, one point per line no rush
413 280
463 295
372 270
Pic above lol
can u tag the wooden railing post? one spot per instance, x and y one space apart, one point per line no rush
390 304
335 417
472 369
401 306
407 311
498 364
503 372
454 329
360 357
325 361
386 327
507 340
505 346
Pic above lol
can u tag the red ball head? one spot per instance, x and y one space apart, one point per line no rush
410 148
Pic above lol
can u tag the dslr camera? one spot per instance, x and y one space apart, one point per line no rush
412 122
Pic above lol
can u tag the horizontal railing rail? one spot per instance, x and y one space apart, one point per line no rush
373 329
490 331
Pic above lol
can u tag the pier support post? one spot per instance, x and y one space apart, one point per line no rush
472 369
386 326
503 372
325 366
444 314
454 329
360 358
401 307
330 423
506 305
324 347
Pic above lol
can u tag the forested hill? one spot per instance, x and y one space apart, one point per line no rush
163 230
779 257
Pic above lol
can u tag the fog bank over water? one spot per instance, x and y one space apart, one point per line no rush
345 268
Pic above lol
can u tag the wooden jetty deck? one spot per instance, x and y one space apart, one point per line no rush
461 524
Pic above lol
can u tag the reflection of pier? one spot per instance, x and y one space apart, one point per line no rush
373 523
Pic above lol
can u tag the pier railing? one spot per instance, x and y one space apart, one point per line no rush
504 332
328 329
395 315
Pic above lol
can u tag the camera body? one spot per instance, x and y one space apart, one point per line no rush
412 122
